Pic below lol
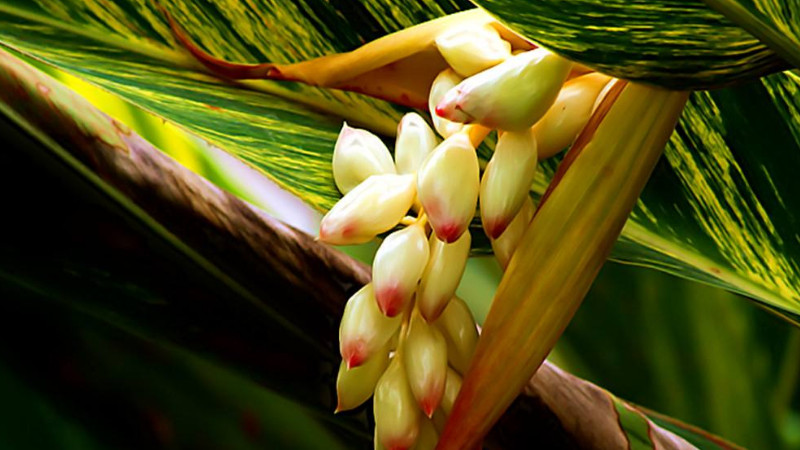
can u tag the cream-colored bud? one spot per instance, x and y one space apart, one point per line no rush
511 96
451 387
442 275
504 246
460 333
397 416
443 83
358 154
354 386
425 358
374 206
415 141
569 114
507 180
398 266
428 437
472 50
364 330
448 185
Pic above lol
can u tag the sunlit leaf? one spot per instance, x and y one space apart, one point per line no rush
681 44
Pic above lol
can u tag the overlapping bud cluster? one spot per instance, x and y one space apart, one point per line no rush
405 337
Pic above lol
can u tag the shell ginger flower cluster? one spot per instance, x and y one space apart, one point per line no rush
405 337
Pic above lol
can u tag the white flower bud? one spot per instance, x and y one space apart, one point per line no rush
460 332
397 268
428 437
472 50
354 386
452 386
425 359
448 185
443 83
507 180
397 417
442 275
415 141
358 154
364 330
504 246
569 114
374 206
512 95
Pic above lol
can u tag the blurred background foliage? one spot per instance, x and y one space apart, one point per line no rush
690 351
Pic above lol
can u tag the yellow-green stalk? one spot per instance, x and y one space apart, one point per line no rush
566 243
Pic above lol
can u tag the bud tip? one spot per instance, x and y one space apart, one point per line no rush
390 300
353 353
449 232
496 227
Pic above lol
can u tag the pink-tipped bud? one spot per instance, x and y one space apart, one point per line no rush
415 141
397 268
443 83
425 359
460 333
504 246
428 436
472 50
447 186
397 417
442 275
507 180
569 114
354 386
359 154
364 330
512 95
374 206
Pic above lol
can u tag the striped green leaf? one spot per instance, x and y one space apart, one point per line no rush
684 342
681 44
718 209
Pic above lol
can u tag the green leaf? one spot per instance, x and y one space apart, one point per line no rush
693 352
725 185
680 44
